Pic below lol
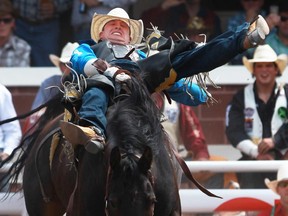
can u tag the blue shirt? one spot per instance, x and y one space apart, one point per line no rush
274 41
182 92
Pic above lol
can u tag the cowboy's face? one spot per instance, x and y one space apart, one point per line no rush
116 31
265 72
7 25
282 190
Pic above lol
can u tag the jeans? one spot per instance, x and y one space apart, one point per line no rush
93 108
217 52
202 59
44 39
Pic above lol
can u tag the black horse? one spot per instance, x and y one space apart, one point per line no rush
136 165
142 179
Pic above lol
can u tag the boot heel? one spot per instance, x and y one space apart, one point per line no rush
258 31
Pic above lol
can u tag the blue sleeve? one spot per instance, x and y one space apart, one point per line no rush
181 92
80 56
142 55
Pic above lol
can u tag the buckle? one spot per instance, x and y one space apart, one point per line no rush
99 135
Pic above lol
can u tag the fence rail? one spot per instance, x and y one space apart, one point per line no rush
33 76
193 200
12 204
234 166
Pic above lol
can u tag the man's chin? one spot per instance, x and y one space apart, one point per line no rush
117 41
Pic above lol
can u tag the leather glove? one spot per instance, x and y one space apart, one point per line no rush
116 73
119 75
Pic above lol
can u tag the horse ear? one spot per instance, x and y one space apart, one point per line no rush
115 157
145 161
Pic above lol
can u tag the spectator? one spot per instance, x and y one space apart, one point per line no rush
278 39
251 8
10 133
253 116
197 31
83 11
184 129
186 133
174 16
49 88
280 187
39 24
14 52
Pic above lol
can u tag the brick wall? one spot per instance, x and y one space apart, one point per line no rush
22 99
211 117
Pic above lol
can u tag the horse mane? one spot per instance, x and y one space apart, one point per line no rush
129 167
53 109
136 120
133 124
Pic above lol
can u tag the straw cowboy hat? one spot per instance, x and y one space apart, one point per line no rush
282 175
264 53
65 54
99 21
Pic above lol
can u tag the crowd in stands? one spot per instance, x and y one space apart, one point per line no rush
30 35
40 25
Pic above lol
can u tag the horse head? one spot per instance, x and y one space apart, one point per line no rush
130 188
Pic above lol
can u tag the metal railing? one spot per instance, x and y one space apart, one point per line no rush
192 200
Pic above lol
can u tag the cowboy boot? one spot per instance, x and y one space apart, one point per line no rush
257 32
90 137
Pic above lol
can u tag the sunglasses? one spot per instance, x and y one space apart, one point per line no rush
283 184
6 20
284 18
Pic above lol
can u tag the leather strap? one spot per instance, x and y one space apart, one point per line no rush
100 65
47 132
188 174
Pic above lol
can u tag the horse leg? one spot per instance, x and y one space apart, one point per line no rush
34 199
39 193
89 199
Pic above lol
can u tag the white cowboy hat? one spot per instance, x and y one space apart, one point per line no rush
65 54
264 53
99 21
282 175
